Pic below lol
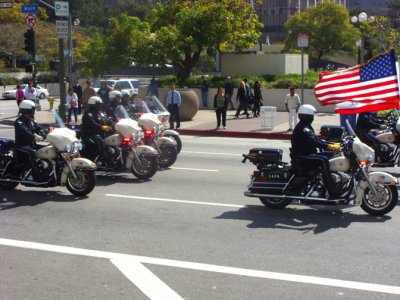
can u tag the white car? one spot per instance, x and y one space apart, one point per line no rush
129 85
41 92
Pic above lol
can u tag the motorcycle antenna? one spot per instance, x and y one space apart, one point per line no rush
350 128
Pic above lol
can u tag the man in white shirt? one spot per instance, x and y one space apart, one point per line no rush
174 101
30 92
292 103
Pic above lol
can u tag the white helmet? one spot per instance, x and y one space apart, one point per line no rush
95 100
307 109
115 94
27 105
125 94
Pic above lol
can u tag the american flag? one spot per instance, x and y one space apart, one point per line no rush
375 80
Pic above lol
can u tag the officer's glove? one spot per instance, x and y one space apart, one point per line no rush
105 128
38 138
334 147
383 126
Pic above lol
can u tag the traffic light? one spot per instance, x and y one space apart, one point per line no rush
30 41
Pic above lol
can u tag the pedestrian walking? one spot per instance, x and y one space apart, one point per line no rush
204 92
72 104
78 91
257 99
229 88
242 99
19 95
292 103
30 92
220 106
174 101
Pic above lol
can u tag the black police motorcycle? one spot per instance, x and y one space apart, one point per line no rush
277 184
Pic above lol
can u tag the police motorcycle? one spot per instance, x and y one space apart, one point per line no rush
124 150
153 136
57 163
277 184
155 106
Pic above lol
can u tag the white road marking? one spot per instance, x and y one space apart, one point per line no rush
372 287
211 153
145 280
174 200
191 169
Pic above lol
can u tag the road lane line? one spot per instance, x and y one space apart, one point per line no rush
145 280
211 153
355 285
191 169
174 200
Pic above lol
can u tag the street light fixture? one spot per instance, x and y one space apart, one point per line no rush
358 20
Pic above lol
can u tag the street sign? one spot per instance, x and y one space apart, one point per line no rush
61 8
62 29
302 40
30 20
67 53
30 8
6 3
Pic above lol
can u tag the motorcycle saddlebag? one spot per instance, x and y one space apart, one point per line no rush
269 154
332 133
6 145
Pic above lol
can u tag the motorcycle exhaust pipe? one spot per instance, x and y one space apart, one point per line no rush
256 195
24 182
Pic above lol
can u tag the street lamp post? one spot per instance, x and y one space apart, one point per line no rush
358 20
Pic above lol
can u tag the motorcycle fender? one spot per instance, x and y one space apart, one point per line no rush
165 141
170 131
383 177
146 150
76 163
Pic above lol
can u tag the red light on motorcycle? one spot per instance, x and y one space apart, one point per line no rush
256 173
148 132
127 139
363 162
51 129
164 120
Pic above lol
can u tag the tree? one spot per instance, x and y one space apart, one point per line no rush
177 33
394 13
328 27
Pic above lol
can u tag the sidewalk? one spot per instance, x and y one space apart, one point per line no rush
204 124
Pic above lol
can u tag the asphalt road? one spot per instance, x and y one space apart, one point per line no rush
190 233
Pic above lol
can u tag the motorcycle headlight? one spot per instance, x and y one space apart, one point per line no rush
371 158
75 148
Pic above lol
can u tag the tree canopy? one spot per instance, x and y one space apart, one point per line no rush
177 32
328 27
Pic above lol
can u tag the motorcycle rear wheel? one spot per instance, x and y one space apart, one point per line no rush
83 184
275 203
6 186
167 156
146 168
385 200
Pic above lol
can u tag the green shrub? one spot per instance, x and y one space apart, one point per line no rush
9 81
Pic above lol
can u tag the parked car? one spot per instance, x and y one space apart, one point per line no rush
97 83
130 85
41 92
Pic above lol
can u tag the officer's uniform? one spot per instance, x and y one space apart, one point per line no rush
304 150
92 135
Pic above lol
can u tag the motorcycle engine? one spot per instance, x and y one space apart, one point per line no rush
342 181
385 153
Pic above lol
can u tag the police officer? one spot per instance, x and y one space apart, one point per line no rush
367 121
27 133
113 111
94 126
305 145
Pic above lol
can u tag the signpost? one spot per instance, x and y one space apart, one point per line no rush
62 29
302 42
30 21
61 8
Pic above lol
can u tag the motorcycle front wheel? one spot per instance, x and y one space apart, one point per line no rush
178 141
145 168
167 156
381 203
83 184
275 203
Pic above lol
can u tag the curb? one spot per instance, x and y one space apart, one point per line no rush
236 134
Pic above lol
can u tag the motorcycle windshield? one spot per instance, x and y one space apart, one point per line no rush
121 113
155 105
141 105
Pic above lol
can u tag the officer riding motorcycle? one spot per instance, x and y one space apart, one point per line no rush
27 133
304 152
